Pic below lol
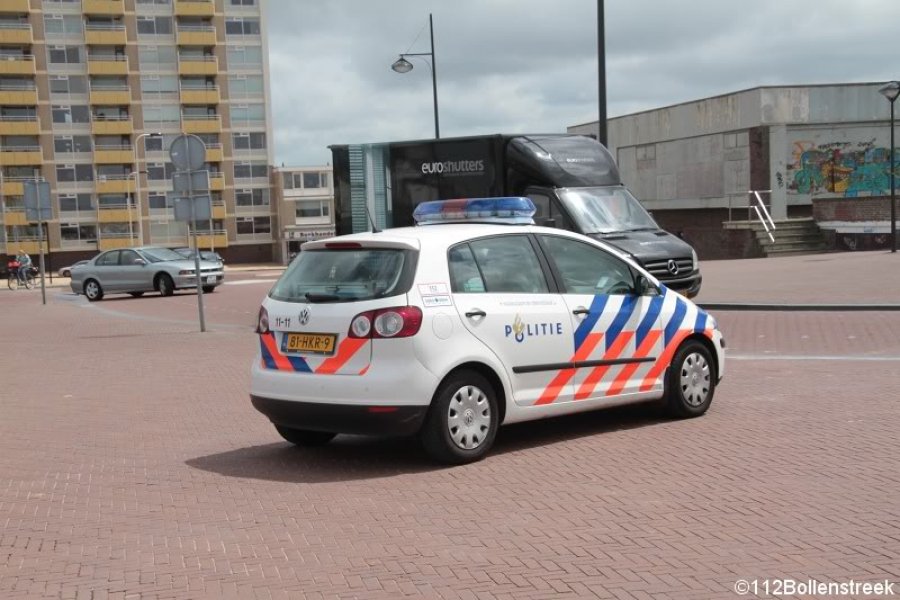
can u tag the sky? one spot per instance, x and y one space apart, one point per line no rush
529 66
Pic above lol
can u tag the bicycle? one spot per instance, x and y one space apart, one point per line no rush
14 280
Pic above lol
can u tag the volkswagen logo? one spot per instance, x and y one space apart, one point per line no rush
304 316
672 266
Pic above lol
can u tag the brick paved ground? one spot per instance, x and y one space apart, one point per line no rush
132 465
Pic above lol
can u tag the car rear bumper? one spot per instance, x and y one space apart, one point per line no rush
342 418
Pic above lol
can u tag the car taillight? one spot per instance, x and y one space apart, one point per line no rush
262 322
395 322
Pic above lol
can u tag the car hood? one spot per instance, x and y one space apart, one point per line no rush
188 263
647 245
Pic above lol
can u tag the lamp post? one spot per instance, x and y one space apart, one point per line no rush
137 185
891 91
401 65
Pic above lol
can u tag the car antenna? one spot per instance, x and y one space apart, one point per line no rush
371 220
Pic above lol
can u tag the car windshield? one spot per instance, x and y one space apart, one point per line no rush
342 275
155 255
606 210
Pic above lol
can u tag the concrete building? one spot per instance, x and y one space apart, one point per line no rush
86 89
820 152
306 207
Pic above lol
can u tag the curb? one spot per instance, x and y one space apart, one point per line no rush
739 306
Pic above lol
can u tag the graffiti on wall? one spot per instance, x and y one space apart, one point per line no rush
847 169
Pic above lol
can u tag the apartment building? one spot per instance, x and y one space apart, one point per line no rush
305 199
92 92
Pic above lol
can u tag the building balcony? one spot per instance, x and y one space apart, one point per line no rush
214 153
105 35
15 217
218 239
254 237
107 65
112 126
198 65
103 7
204 124
111 96
194 8
17 157
17 65
113 242
13 188
18 97
19 126
30 246
113 155
216 182
115 215
206 95
16 33
15 6
218 210
120 184
196 35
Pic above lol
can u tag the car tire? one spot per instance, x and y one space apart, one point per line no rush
692 381
65 273
136 294
93 290
305 437
463 419
209 289
165 285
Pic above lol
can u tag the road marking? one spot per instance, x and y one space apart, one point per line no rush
248 281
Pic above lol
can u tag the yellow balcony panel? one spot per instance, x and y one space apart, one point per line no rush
107 66
112 243
13 188
201 36
215 154
28 157
115 215
112 127
16 33
205 96
115 186
105 37
201 125
103 7
111 97
14 6
218 211
194 8
15 217
208 65
216 182
217 240
19 127
17 65
32 247
18 97
113 157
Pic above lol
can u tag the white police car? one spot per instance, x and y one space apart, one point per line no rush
447 330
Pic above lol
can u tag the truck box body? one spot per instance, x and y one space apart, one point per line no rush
572 180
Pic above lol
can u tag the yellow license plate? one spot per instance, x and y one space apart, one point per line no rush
315 343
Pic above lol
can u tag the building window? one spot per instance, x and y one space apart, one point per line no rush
253 225
68 84
159 84
71 114
241 26
161 114
114 200
72 143
76 203
251 169
244 57
154 26
158 201
74 173
65 55
155 57
245 86
62 24
249 141
312 209
158 2
75 232
255 197
243 2
159 171
306 180
247 113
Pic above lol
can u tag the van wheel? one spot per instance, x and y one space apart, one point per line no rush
305 437
692 381
92 290
462 422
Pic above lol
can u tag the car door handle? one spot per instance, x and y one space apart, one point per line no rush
581 311
476 313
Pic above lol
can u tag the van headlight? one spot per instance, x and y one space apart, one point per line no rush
694 260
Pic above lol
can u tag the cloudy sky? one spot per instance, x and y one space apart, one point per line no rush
516 66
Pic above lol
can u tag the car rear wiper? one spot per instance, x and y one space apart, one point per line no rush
314 297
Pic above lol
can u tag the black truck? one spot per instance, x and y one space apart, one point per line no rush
572 180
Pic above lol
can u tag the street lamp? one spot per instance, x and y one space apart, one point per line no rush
891 91
137 185
401 65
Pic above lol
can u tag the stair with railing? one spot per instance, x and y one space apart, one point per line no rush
791 236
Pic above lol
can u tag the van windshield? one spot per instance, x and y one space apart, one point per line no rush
606 210
343 275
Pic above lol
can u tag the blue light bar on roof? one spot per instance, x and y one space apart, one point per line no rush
511 210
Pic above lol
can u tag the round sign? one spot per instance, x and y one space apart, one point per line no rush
188 152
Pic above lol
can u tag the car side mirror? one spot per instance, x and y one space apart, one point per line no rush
139 261
645 287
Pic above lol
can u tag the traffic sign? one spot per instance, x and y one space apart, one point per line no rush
37 200
188 152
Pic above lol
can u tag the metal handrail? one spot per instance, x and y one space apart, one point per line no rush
192 28
20 119
8 25
182 57
108 57
111 117
18 86
112 147
107 87
17 57
20 149
193 87
201 117
104 26
762 214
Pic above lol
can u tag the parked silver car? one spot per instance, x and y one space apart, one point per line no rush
67 271
138 270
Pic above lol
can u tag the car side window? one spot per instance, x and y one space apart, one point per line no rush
586 269
127 257
464 274
109 259
508 264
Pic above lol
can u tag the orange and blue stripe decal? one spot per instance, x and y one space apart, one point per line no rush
272 358
645 339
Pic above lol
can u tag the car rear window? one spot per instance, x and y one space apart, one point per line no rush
345 275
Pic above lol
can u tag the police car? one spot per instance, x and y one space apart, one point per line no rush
471 319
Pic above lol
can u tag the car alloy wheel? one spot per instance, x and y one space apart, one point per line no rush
469 417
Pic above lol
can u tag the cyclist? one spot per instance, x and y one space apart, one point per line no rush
24 265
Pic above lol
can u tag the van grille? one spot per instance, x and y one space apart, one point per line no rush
660 268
